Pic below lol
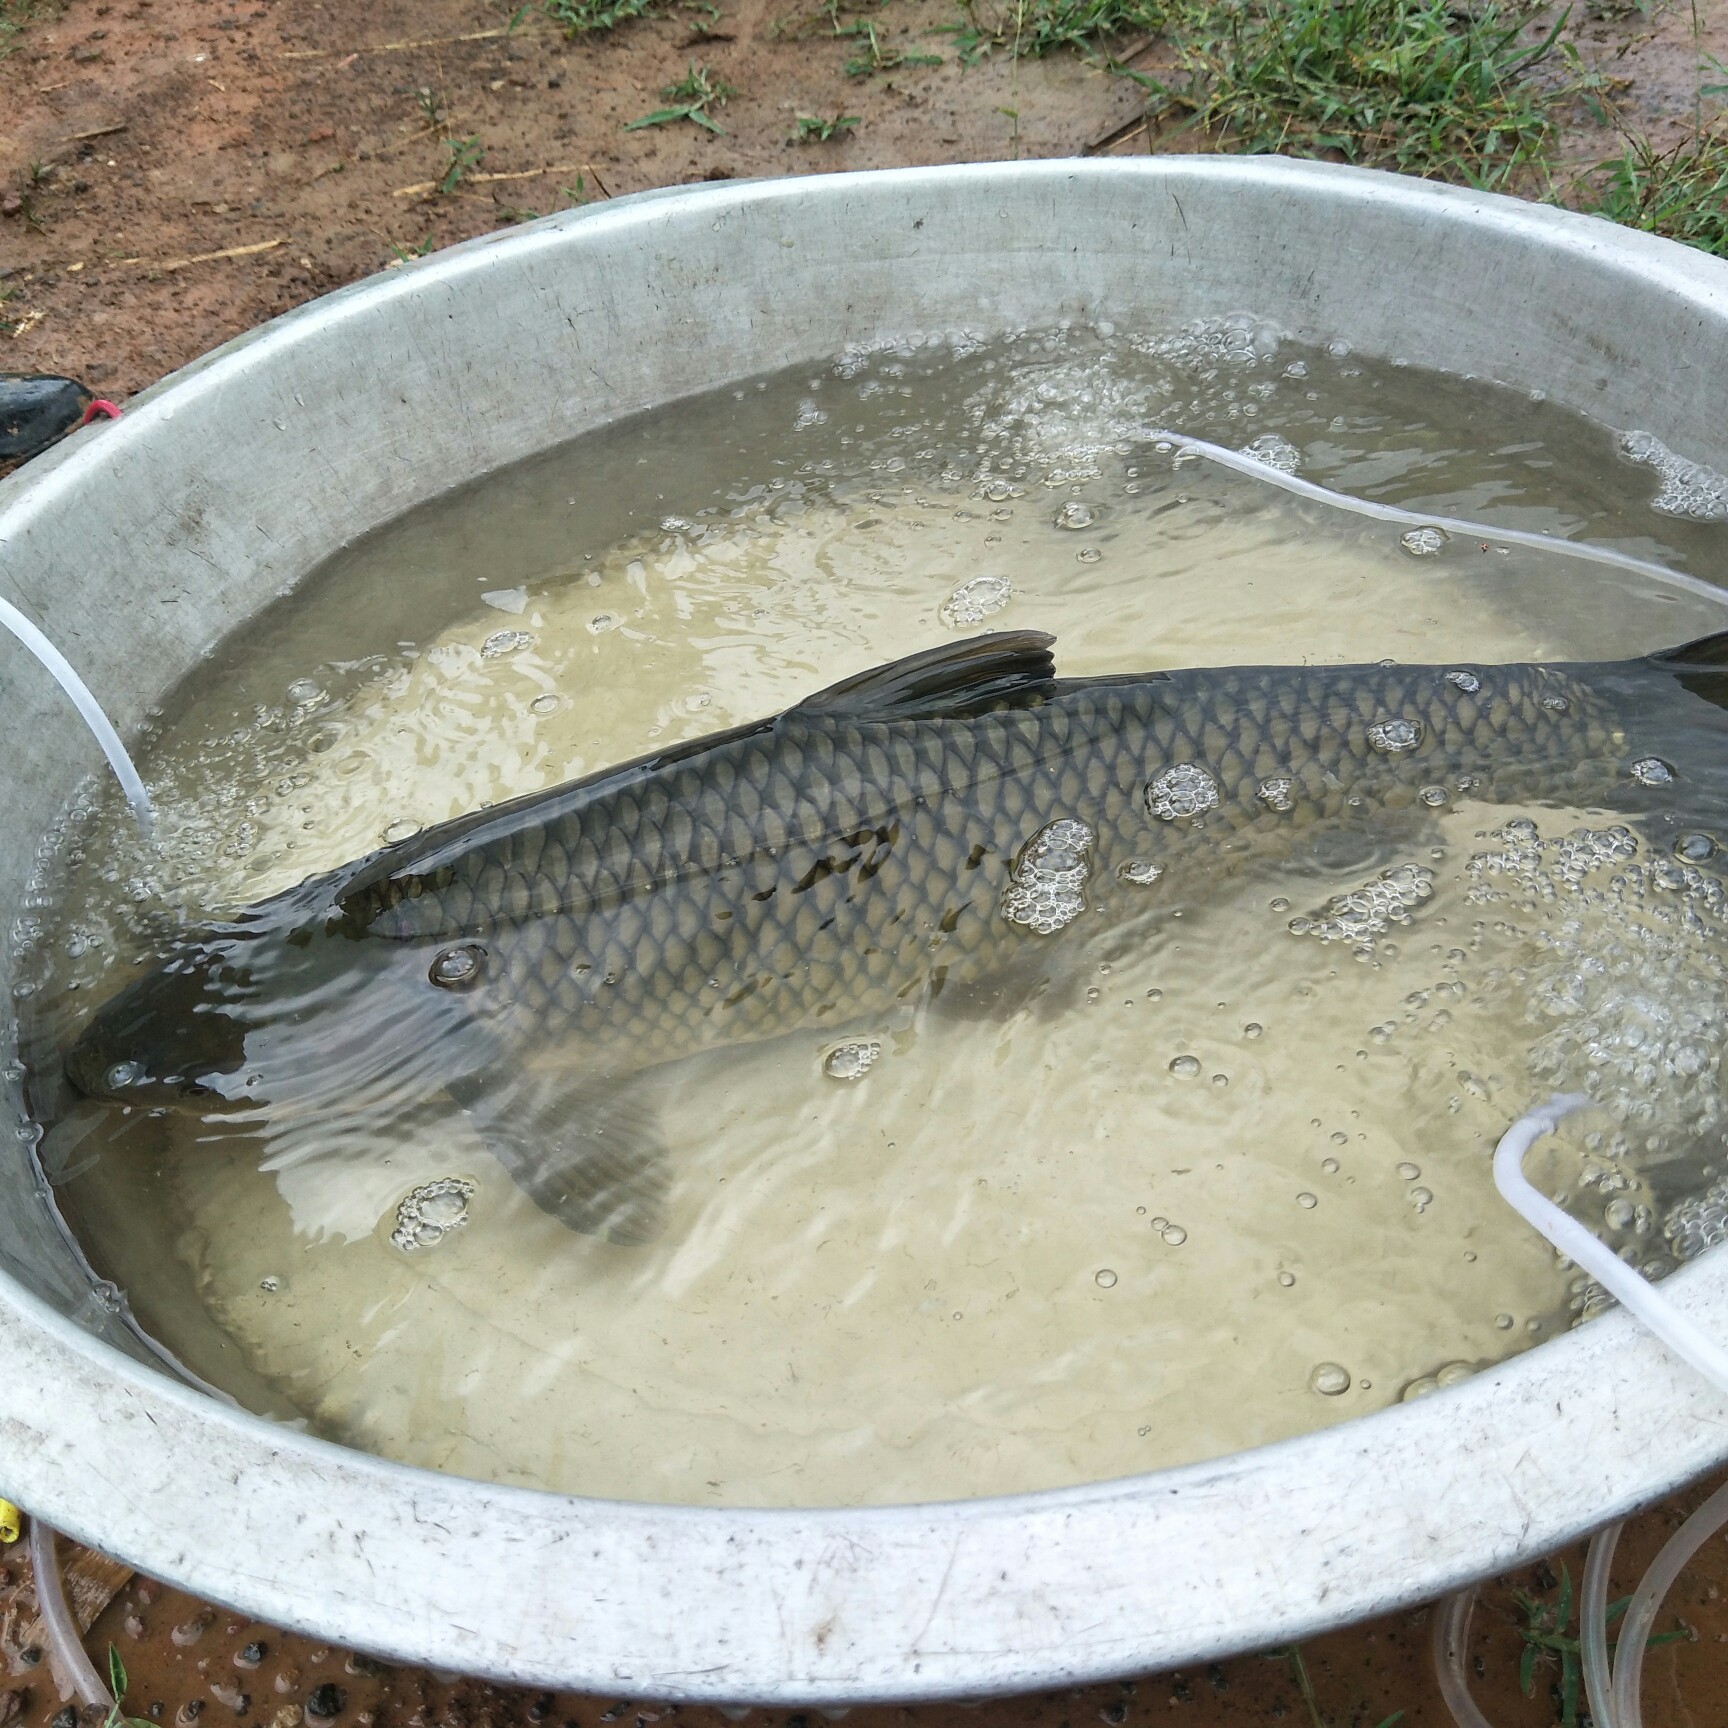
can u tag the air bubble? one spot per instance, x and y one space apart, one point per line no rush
1423 542
1409 1172
305 691
1329 1166
427 1214
601 622
502 642
1307 1201
1433 796
1555 704
1504 1322
547 704
1174 1235
1694 848
1468 682
1253 1029
1088 555
1074 514
1685 489
1368 911
1329 1379
1275 452
1421 1198
1277 793
1185 1067
1394 736
270 1284
1104 1278
1652 771
1140 871
851 1061
1047 891
975 600
458 968
1287 1279
1183 789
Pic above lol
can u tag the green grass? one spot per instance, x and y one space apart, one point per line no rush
583 17
1681 194
1405 84
819 129
690 99
1037 27
15 14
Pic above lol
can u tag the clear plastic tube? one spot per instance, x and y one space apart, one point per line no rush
1628 1287
60 669
1616 1705
65 1642
1451 1640
1641 1615
1593 1625
1257 470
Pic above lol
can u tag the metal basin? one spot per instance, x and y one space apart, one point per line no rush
139 545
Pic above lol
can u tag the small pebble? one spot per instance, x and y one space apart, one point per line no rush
133 1626
226 1692
326 1702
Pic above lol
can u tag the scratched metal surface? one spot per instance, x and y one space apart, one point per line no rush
141 544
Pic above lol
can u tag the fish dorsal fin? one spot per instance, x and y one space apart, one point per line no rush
1006 668
1705 651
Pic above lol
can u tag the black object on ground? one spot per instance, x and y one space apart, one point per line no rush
35 410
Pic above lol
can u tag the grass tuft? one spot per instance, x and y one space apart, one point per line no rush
1681 194
1408 84
15 14
1033 28
584 17
690 99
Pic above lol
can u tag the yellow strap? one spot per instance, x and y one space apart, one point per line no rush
11 1522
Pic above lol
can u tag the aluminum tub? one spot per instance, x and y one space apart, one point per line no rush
138 545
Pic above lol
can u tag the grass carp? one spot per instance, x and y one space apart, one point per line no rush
935 822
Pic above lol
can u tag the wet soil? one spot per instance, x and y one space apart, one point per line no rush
173 172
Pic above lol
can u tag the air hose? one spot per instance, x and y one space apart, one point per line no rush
89 709
1612 1688
59 1626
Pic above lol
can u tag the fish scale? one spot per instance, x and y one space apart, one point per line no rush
748 887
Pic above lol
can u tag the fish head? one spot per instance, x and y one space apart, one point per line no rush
173 1031
287 1005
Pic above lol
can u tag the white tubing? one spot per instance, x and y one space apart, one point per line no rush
65 1642
1617 1706
1593 1625
1628 1287
61 670
1641 1616
1451 1638
1257 470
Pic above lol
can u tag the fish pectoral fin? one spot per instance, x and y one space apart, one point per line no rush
1001 669
586 1149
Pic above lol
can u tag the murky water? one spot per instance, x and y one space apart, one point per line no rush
1224 1177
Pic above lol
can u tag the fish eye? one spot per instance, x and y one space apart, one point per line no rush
123 1074
458 968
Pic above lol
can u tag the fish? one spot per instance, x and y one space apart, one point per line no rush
921 827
